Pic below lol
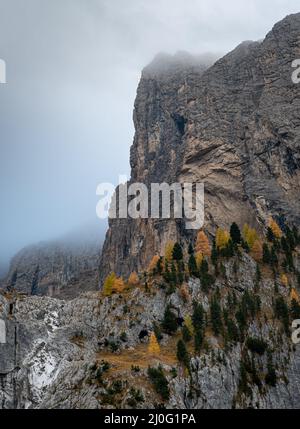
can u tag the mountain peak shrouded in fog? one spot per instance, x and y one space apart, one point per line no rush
215 125
72 72
3 270
165 317
62 267
166 63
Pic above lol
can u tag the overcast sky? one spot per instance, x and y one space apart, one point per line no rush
72 71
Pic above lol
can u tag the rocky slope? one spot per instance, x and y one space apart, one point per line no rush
74 354
234 126
54 270
63 268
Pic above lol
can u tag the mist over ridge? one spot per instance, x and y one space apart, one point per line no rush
72 73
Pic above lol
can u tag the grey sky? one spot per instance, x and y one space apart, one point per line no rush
66 113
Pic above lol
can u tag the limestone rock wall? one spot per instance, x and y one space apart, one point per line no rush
234 126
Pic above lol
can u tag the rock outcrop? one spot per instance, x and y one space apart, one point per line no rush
92 352
63 268
233 126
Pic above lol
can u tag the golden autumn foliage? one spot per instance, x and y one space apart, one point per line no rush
199 258
108 284
169 251
153 263
118 285
250 235
113 284
133 280
222 238
202 244
295 295
284 280
275 228
257 250
189 324
153 347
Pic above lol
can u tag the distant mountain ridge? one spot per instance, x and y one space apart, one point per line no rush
61 268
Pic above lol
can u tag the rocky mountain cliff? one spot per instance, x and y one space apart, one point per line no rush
209 324
93 352
233 126
63 268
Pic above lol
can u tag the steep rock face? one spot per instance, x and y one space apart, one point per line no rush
234 126
56 352
55 269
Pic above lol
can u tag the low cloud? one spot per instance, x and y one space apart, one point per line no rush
66 113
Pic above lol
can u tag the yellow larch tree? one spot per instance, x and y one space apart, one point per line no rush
284 280
222 238
257 250
153 346
245 231
118 285
108 284
275 228
169 251
133 280
189 324
202 244
250 235
295 295
153 263
199 258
